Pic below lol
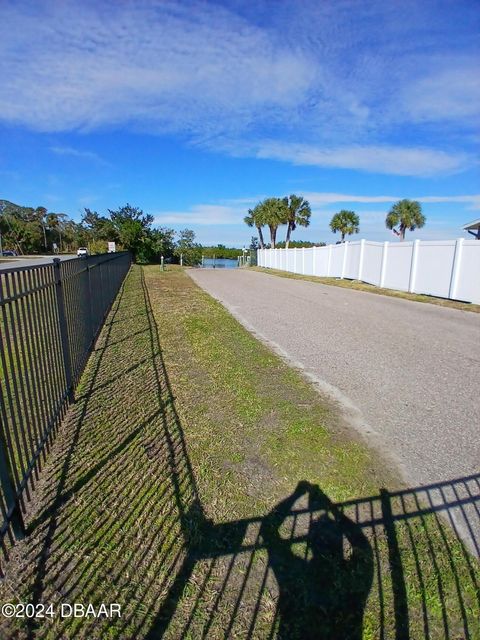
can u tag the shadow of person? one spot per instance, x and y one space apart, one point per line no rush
323 564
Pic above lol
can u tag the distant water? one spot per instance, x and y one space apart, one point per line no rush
220 263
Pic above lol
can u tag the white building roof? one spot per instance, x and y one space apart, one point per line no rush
472 225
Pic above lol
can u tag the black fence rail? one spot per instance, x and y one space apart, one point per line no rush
50 316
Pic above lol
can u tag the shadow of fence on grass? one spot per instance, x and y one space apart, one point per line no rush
321 561
122 522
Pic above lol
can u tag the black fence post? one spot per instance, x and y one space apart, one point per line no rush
8 488
90 301
62 319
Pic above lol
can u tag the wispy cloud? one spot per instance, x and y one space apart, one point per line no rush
452 92
379 159
87 200
76 153
202 214
233 211
329 84
196 68
323 198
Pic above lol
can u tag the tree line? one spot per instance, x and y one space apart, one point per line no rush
28 230
294 211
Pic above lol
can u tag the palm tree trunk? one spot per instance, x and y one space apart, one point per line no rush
343 236
260 236
273 235
289 232
402 233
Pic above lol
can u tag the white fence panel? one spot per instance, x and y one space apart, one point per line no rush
433 273
289 260
321 261
336 260
372 262
397 268
448 269
308 264
468 275
352 259
295 258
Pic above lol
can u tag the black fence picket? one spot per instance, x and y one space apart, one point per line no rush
50 317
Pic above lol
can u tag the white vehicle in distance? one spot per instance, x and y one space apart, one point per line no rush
82 252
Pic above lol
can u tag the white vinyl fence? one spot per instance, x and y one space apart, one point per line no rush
447 269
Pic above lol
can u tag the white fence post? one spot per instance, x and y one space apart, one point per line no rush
344 263
329 259
303 261
384 263
457 262
413 266
360 260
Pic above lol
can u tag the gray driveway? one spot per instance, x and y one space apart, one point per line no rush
407 374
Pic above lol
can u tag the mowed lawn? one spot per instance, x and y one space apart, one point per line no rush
208 489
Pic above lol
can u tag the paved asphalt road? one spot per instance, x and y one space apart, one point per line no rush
407 373
29 262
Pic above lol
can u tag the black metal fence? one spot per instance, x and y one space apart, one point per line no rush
50 316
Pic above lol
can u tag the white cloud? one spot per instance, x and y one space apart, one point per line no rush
202 214
321 198
377 159
341 79
450 92
166 66
232 212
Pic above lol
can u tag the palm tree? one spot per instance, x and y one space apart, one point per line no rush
347 222
408 214
274 213
299 213
255 219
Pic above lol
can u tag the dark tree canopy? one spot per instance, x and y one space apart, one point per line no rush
29 230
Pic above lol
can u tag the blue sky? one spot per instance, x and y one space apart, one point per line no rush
195 111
